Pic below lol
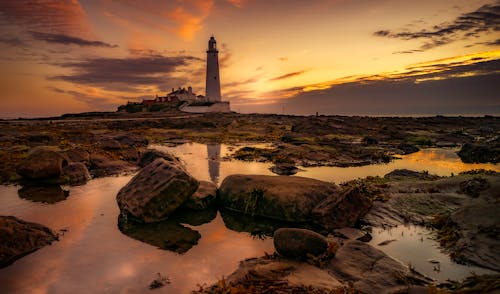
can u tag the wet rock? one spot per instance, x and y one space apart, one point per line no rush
403 174
129 154
284 169
75 173
299 243
167 235
131 140
43 193
151 154
41 138
350 233
77 155
203 198
370 270
42 163
156 191
109 144
19 238
342 209
408 148
279 275
279 197
102 165
474 186
474 153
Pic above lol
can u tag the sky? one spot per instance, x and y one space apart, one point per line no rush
347 57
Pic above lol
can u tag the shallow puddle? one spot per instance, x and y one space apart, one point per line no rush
413 245
94 256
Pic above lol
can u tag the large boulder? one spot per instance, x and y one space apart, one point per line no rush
278 197
204 196
299 243
371 270
75 173
342 209
18 238
42 163
156 191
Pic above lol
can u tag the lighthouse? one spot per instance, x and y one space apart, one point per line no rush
212 86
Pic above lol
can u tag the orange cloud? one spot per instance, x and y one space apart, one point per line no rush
189 18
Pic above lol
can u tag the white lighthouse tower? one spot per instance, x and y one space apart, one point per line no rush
213 81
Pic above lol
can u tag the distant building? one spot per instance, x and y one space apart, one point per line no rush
186 100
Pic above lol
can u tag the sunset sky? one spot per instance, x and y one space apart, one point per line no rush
368 57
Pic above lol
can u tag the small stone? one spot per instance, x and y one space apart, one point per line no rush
299 243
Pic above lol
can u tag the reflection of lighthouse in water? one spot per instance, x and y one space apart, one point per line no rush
213 152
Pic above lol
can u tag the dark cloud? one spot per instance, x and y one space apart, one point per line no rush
127 74
460 89
60 16
68 40
12 41
484 20
288 75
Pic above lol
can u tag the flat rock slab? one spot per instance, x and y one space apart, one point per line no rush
371 270
19 238
156 191
292 275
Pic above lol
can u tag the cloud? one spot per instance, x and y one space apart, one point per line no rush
59 16
414 90
472 24
461 85
12 41
68 40
283 58
127 74
287 76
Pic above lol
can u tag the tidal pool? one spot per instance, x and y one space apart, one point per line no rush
94 256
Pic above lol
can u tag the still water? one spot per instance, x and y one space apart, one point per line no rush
93 256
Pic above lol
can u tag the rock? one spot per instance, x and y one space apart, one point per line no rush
151 154
203 197
279 275
474 153
403 174
43 193
279 197
42 163
371 270
19 238
75 173
408 148
167 235
131 140
351 233
343 209
299 243
103 165
156 191
284 169
109 144
474 186
77 154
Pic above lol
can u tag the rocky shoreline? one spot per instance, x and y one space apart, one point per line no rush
42 155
